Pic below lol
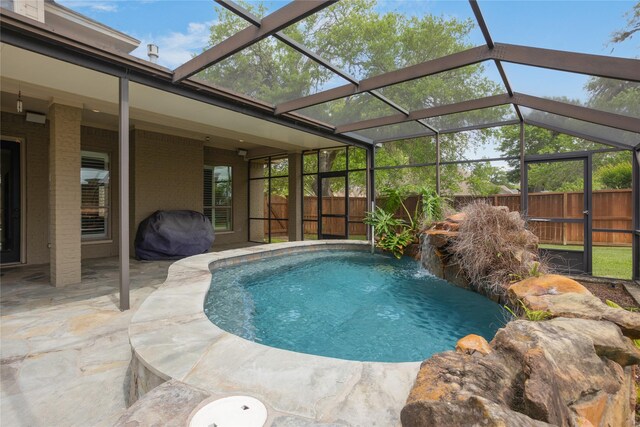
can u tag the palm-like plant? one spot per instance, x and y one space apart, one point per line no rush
394 234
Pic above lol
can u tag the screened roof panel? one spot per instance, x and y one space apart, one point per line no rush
448 87
351 109
180 28
407 152
605 133
473 118
539 140
614 96
584 27
397 131
378 41
272 72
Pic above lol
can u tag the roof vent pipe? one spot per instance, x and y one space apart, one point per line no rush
152 52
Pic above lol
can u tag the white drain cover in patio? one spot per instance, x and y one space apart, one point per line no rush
234 411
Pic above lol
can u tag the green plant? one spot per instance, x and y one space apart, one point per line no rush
615 305
394 234
394 200
534 271
614 176
383 221
396 242
432 205
527 313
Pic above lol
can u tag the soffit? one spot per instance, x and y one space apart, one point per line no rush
46 78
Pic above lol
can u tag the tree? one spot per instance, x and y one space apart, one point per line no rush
486 180
619 96
364 41
633 25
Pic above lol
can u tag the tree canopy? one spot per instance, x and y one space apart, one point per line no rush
364 40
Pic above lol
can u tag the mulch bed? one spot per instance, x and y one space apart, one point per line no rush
610 291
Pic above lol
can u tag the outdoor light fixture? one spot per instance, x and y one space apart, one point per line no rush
36 117
19 103
242 152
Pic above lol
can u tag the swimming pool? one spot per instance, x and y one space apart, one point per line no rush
347 305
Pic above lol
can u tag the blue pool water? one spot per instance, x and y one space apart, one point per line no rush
348 305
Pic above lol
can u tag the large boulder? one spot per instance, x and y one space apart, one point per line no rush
565 372
473 343
547 284
563 297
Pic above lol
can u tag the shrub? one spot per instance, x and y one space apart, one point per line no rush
493 246
394 234
615 176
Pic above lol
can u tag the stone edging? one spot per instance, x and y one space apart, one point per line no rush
172 339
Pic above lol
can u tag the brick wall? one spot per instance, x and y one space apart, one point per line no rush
64 194
167 174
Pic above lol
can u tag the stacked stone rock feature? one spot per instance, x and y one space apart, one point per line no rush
494 246
572 370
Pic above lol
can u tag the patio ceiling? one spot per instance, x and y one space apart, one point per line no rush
43 80
377 113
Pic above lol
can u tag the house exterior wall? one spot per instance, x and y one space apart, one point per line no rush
36 174
166 175
219 157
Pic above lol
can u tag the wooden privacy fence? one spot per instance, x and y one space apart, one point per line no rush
611 210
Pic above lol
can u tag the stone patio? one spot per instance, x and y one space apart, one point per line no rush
65 352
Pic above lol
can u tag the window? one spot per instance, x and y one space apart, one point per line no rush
95 203
217 197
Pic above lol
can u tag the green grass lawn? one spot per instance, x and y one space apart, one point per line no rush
608 261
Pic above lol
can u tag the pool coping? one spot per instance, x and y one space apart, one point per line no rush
172 338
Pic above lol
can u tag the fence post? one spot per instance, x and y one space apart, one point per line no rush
565 207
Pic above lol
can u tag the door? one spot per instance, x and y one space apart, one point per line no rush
333 209
9 202
558 208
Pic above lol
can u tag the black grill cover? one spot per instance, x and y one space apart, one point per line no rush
173 235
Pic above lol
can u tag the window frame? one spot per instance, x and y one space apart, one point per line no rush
268 179
227 207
